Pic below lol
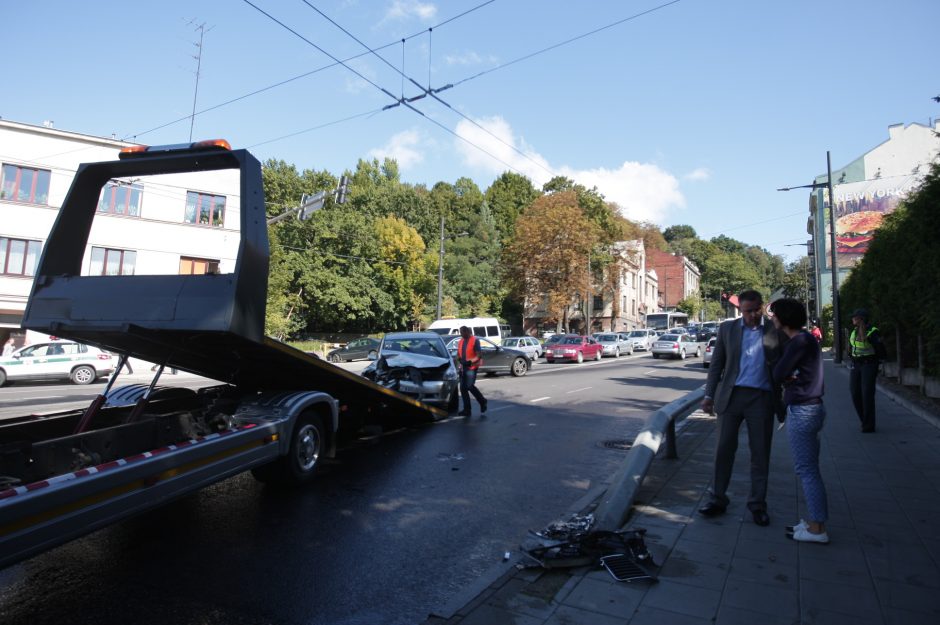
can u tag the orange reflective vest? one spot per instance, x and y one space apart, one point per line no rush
468 353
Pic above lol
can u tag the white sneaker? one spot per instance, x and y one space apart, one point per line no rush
803 535
792 528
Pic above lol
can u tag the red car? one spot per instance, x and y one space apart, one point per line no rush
574 347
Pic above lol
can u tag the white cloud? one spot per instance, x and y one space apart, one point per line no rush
643 191
469 58
354 84
405 9
403 147
699 174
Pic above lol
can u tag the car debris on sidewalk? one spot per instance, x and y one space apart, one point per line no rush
572 543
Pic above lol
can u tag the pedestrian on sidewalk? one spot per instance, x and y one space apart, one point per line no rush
469 359
740 388
817 333
800 372
127 365
867 351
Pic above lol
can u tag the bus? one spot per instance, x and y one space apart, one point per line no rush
666 320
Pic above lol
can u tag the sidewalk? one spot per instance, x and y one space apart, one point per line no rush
882 565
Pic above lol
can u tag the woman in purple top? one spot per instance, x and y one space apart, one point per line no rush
800 371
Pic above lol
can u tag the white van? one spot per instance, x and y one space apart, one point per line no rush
485 327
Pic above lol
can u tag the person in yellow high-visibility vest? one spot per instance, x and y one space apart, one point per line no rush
867 351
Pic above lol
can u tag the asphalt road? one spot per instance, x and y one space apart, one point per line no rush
393 528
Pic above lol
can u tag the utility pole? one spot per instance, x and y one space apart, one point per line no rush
836 316
440 272
202 32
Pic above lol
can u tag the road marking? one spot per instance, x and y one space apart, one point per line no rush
538 399
651 371
578 390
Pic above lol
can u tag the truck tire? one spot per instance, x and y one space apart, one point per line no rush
83 374
307 444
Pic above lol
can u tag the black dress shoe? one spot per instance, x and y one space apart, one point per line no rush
711 509
761 518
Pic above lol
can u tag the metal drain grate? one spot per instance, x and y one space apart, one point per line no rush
623 569
620 445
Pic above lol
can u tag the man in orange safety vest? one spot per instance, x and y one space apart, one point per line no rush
469 359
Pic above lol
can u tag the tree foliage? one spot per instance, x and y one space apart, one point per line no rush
546 261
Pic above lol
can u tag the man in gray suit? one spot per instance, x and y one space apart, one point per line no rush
740 388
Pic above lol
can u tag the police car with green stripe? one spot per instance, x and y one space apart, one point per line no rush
56 360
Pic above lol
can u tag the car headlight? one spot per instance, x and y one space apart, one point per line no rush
450 374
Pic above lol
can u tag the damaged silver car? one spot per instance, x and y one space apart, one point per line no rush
416 364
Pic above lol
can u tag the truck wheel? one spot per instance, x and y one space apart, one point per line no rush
307 443
519 367
83 374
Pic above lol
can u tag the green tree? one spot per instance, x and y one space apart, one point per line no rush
690 306
508 197
677 233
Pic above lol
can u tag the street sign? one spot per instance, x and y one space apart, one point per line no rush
309 204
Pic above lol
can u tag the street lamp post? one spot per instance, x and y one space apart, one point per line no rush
836 316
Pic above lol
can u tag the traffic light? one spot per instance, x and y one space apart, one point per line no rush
339 196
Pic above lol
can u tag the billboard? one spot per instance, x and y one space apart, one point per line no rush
860 208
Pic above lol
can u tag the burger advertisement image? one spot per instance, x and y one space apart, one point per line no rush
855 230
860 210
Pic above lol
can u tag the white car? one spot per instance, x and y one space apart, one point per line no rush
528 344
56 360
643 339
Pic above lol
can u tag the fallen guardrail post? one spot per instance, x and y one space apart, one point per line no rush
614 506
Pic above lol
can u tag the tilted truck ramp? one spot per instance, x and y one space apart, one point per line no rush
210 324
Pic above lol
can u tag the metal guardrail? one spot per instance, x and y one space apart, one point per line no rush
614 507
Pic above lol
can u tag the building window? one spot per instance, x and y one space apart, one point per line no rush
110 262
598 303
22 184
201 208
190 266
118 198
19 257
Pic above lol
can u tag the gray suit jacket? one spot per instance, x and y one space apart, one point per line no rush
726 361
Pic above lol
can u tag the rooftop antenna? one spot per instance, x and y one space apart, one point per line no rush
202 32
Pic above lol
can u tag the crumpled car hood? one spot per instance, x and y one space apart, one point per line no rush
394 360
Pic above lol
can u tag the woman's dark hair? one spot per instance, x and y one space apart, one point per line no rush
790 312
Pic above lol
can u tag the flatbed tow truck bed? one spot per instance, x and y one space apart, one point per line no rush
275 410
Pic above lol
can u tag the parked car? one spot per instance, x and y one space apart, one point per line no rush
56 360
574 347
707 354
359 349
417 364
614 344
528 344
554 339
642 339
497 358
676 346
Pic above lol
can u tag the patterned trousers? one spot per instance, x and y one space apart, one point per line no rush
804 422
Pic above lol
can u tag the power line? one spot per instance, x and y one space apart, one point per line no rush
567 41
304 75
404 103
426 92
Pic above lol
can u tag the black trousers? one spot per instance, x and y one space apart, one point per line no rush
754 407
862 386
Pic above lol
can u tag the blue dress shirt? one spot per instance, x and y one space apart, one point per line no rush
751 370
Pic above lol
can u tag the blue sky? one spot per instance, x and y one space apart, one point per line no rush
693 113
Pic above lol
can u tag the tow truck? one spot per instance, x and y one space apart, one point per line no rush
275 410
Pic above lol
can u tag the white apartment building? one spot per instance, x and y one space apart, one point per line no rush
167 224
